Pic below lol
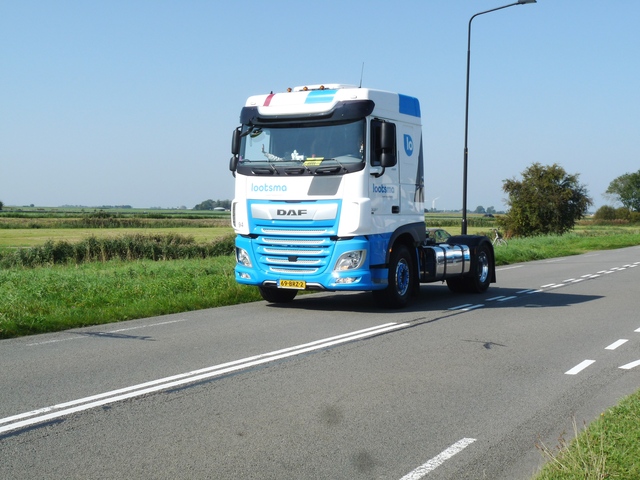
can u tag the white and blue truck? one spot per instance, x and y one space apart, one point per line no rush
329 196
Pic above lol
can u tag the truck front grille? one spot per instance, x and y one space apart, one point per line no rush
292 255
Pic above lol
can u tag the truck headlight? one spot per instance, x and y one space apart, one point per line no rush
351 260
242 257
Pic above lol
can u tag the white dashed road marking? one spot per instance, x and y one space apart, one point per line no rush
631 365
439 459
578 368
616 344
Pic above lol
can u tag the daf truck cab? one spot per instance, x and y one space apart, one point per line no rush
329 195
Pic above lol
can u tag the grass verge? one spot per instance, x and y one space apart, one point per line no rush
50 299
539 248
608 448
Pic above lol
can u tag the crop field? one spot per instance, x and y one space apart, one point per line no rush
30 237
33 228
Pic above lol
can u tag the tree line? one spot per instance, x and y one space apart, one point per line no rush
547 200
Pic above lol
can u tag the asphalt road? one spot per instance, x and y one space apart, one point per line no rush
328 387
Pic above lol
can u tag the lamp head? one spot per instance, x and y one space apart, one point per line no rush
523 2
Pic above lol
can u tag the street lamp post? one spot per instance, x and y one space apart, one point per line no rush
466 112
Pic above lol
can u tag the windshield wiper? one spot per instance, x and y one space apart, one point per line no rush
332 169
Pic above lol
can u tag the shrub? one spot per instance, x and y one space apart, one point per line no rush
605 212
125 247
607 215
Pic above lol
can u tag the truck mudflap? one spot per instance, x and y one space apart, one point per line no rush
477 244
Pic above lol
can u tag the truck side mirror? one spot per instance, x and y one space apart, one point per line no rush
235 141
388 144
235 149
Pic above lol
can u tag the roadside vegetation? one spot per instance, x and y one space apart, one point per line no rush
107 276
59 297
608 448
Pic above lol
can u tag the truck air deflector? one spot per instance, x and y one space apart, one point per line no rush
409 105
342 111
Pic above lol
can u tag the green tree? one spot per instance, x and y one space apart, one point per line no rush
546 201
1 205
626 190
479 209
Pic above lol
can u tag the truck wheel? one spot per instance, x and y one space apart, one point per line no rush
481 278
480 273
457 284
277 295
400 282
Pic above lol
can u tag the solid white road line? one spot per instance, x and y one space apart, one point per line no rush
48 413
616 344
578 368
439 459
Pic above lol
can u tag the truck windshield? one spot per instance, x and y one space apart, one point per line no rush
302 150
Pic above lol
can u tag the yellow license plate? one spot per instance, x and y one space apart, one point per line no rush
297 284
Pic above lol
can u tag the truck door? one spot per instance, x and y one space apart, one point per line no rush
384 187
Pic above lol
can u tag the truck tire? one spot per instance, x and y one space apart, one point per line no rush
400 282
277 295
457 284
480 273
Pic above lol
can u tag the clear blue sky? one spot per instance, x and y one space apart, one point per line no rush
113 102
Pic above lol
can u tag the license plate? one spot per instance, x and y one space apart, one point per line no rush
297 284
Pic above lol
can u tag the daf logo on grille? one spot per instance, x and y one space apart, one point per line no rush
290 213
